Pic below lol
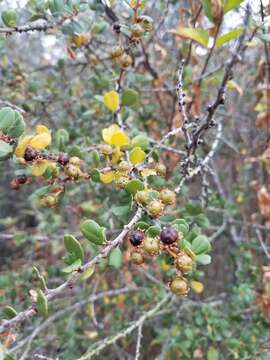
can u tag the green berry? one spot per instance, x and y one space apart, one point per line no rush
151 245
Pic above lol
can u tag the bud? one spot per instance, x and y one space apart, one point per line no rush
183 262
121 183
74 160
168 236
168 197
116 52
124 166
72 171
146 22
105 149
137 30
179 286
142 197
48 201
151 245
155 208
125 60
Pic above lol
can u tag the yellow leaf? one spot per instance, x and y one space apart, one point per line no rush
111 100
109 132
41 141
148 172
116 156
42 129
87 273
137 156
201 36
39 167
119 139
233 85
197 286
107 178
22 145
80 39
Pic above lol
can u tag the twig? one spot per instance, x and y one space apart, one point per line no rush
259 236
139 341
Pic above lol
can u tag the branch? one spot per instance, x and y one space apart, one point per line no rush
54 293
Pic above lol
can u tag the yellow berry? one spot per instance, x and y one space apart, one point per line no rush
155 208
179 286
125 60
168 197
183 262
151 245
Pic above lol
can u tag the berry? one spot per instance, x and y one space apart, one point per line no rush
125 60
136 237
151 245
30 154
179 286
63 159
137 30
137 258
155 208
168 197
21 179
121 183
161 169
48 201
183 263
72 171
74 160
142 197
168 236
117 28
116 52
124 166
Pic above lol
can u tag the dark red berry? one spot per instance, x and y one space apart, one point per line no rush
136 237
117 28
30 154
22 179
169 236
63 159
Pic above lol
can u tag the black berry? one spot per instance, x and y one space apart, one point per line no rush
136 237
169 236
30 154
63 159
22 179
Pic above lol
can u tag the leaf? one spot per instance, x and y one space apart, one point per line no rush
115 258
9 18
264 37
137 156
201 36
61 138
23 143
72 267
113 135
39 167
93 232
87 273
200 245
141 225
95 158
231 4
194 208
153 231
203 259
133 186
207 9
9 312
197 286
42 129
212 354
111 100
201 220
72 245
42 304
41 141
11 122
141 141
231 84
5 150
95 175
129 97
120 211
107 177
223 39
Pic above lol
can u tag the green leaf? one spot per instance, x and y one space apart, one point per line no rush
264 37
115 258
181 226
201 36
137 156
93 232
8 357
203 259
133 186
194 208
61 138
201 220
121 211
140 141
153 231
5 150
9 18
40 278
228 36
95 158
207 9
231 4
72 245
141 225
87 273
72 267
200 245
56 6
42 304
129 97
95 175
11 122
212 354
9 312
